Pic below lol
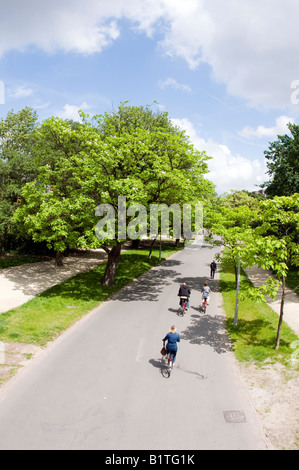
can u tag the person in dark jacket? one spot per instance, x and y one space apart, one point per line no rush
172 339
184 292
213 267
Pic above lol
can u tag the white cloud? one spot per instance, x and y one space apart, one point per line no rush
230 171
70 25
171 82
21 92
190 30
250 45
227 171
71 111
261 131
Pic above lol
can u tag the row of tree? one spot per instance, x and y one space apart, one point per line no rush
55 174
262 232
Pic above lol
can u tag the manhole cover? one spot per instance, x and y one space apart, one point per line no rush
234 416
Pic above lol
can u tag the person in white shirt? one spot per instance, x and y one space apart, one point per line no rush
206 292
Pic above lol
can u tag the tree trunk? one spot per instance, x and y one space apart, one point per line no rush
236 273
151 248
281 313
113 259
59 259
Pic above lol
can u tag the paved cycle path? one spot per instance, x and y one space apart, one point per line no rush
99 385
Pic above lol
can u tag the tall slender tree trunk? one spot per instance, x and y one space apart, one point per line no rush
113 259
281 313
151 248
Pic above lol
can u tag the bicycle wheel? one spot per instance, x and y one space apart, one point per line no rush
165 372
181 312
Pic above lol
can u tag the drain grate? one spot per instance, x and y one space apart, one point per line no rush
234 416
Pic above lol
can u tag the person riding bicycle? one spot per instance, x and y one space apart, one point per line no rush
184 291
206 292
172 339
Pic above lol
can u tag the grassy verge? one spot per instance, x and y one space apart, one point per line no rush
46 316
8 261
293 279
254 337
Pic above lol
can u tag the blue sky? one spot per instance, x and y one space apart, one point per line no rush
222 70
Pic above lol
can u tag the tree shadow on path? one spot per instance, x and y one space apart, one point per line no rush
149 286
210 331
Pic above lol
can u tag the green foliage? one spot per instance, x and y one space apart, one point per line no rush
273 243
238 198
267 238
132 153
17 167
283 164
229 225
254 337
293 279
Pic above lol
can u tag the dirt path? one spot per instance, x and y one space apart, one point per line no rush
19 284
258 277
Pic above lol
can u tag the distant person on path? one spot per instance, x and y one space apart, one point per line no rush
172 339
184 292
213 267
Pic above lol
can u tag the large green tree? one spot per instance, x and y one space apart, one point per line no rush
228 225
17 167
273 245
283 164
134 154
58 206
266 237
151 162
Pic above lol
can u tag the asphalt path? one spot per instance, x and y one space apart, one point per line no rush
100 384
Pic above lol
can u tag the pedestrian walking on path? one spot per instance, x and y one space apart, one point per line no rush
213 267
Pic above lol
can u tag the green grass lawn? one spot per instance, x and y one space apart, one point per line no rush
293 279
46 316
8 261
254 337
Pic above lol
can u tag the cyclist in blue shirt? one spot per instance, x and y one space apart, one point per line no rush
172 339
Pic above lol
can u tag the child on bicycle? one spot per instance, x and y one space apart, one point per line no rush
206 292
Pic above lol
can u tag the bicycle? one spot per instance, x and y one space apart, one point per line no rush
183 306
166 370
204 305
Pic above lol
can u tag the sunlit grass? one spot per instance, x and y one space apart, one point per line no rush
254 336
47 315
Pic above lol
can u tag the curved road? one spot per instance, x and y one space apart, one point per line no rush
99 386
